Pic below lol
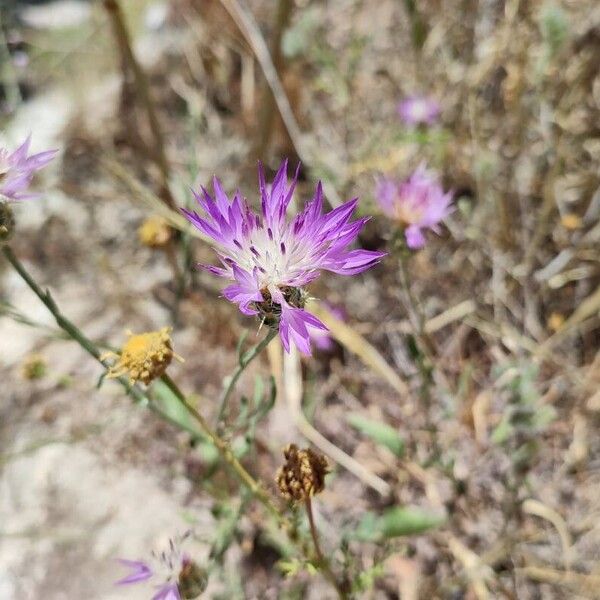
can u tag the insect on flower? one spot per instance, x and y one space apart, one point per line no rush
270 257
416 204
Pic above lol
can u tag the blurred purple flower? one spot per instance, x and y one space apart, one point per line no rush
418 203
419 109
168 567
321 338
270 258
17 170
141 571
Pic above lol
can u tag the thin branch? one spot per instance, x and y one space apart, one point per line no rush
142 88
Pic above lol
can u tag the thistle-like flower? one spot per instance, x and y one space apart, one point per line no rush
17 170
180 577
144 356
303 474
417 110
270 258
416 204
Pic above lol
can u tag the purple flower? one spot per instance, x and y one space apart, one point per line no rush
171 568
418 203
270 257
17 170
419 109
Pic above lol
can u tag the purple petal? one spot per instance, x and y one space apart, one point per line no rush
414 237
169 591
140 571
295 324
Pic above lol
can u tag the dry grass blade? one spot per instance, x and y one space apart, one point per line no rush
454 313
358 345
477 572
292 381
539 509
587 308
582 582
250 30
145 195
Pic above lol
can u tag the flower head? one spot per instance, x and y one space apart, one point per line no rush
144 357
302 475
270 257
419 109
17 170
155 232
418 203
180 577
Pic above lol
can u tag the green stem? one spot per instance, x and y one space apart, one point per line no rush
254 486
323 563
424 345
244 361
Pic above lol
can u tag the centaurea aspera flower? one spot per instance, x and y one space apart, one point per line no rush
270 257
416 204
180 578
417 110
17 170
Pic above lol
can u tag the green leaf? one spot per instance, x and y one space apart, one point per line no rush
396 521
240 345
380 433
169 404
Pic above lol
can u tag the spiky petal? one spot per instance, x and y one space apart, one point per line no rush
140 571
17 170
416 204
268 255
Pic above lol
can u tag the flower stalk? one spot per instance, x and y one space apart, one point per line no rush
322 562
245 360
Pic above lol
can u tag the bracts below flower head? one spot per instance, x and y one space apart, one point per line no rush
270 257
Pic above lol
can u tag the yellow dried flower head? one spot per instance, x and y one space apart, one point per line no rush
571 221
302 475
33 367
144 357
7 222
155 232
555 321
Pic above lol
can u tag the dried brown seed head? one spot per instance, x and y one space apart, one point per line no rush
302 475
